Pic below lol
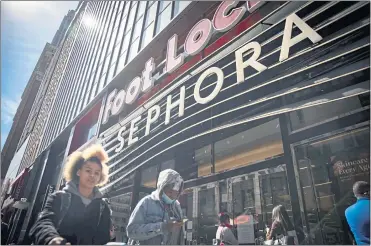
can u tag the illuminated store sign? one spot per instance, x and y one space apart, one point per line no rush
254 47
197 38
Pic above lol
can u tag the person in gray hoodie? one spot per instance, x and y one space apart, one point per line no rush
78 214
157 219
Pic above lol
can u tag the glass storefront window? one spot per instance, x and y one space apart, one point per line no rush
186 203
250 146
328 168
254 196
249 200
120 206
204 161
207 214
313 115
149 177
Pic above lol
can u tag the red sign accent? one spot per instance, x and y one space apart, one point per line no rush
239 28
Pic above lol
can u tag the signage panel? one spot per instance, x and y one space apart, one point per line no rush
254 48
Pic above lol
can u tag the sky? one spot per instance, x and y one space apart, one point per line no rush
26 26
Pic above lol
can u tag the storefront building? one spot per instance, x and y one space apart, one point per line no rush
264 104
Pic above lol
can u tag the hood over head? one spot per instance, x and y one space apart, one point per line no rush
166 177
72 187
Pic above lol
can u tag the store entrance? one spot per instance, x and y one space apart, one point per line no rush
248 198
328 167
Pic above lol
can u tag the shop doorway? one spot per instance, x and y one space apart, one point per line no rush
327 167
248 198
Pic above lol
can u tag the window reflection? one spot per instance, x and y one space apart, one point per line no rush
312 115
328 168
207 214
203 159
120 206
253 145
149 177
170 164
254 197
186 203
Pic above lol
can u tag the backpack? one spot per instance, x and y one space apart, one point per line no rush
65 205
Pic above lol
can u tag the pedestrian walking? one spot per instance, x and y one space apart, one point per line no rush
358 215
157 219
77 214
282 231
224 234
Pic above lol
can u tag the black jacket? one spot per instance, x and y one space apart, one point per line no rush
78 224
4 233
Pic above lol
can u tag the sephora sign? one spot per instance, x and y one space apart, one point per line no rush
196 40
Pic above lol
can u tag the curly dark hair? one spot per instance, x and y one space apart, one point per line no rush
77 159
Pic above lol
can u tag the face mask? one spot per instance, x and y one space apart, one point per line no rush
166 199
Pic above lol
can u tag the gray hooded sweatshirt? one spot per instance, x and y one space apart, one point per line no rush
73 188
147 222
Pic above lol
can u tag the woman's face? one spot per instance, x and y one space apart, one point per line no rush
90 174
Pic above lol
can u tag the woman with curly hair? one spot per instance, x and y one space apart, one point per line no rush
78 214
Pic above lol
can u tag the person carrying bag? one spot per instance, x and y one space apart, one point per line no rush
77 215
282 231
224 234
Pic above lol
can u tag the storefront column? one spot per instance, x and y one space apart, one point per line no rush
195 202
257 195
229 196
291 177
217 198
38 177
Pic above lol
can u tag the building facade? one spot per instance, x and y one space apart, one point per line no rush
14 203
59 35
15 137
254 103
